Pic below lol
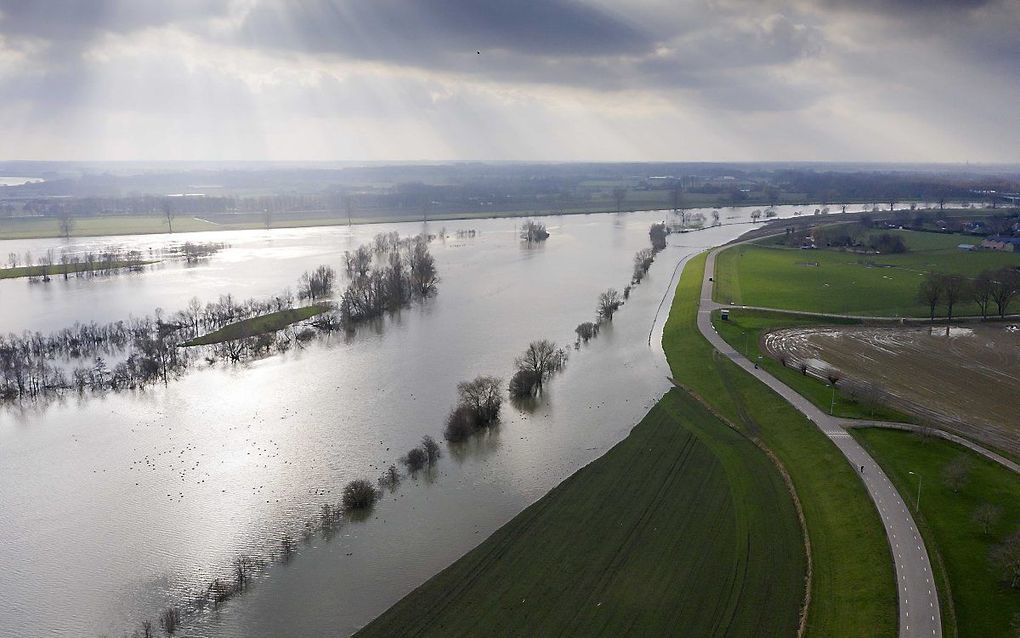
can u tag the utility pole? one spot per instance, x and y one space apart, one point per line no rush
917 504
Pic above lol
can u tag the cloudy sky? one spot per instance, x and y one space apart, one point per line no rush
883 80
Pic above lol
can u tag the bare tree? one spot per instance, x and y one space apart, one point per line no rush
541 359
431 449
414 460
168 212
484 396
981 291
169 620
609 302
954 288
586 331
66 225
533 231
930 292
956 473
986 516
619 194
1005 286
1006 557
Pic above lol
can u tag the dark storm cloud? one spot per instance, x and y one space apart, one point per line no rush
438 31
72 21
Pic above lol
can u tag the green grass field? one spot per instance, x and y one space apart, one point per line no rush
58 270
683 528
744 330
845 283
983 603
258 325
853 589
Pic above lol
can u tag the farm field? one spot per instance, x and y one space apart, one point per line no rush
258 325
981 599
968 382
853 588
747 330
683 527
839 282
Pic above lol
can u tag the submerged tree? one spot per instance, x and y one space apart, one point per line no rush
533 231
317 283
541 359
609 302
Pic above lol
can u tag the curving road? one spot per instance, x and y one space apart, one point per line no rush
918 598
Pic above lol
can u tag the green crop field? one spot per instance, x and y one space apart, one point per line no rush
258 325
983 603
840 282
744 331
683 528
853 586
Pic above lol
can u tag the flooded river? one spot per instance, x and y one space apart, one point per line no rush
113 507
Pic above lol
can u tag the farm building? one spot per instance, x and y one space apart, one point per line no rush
999 242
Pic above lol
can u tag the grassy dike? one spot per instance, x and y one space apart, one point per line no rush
683 528
853 586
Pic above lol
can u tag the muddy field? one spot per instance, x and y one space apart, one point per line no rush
967 381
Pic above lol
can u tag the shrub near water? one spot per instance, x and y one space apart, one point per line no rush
359 494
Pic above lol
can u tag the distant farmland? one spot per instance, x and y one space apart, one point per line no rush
835 281
684 528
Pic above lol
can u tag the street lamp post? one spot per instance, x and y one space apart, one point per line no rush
917 505
832 402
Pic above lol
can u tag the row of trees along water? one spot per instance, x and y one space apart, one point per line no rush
90 263
406 271
136 352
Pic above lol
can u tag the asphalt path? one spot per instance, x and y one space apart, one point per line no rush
918 598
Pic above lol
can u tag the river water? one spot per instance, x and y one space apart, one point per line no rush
113 507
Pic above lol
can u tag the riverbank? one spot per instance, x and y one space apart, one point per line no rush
684 526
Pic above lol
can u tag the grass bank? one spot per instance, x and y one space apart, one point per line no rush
853 591
744 331
983 603
683 528
258 325
834 281
59 270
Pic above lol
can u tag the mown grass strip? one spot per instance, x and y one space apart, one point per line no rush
258 325
978 597
853 586
683 528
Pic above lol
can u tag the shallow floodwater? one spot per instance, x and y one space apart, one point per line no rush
112 508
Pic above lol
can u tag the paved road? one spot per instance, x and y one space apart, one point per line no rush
918 598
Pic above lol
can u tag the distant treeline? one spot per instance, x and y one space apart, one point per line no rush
411 191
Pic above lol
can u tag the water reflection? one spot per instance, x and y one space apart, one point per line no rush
270 431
